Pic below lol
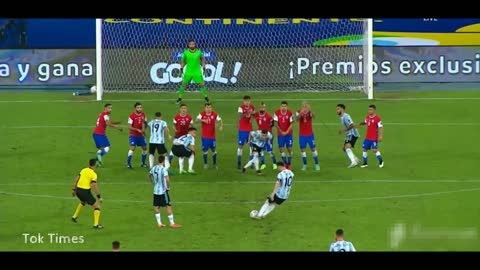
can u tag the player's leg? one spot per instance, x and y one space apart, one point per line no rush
289 143
262 161
213 147
281 148
377 154
251 161
205 152
367 145
151 151
198 79
168 206
157 202
96 212
142 142
302 141
313 148
133 143
349 143
242 140
78 209
272 154
181 90
191 160
162 151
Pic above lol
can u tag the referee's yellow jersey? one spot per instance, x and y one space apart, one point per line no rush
87 176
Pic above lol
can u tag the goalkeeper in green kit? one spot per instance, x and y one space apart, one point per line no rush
193 58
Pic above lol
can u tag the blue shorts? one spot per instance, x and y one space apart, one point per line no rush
208 144
243 137
269 146
100 140
369 144
137 141
285 141
304 140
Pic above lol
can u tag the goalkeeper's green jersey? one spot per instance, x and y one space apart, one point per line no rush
193 60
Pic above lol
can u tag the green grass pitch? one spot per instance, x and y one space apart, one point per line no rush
425 198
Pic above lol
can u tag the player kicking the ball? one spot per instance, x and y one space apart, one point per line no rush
257 140
209 118
351 134
304 116
193 58
373 137
280 193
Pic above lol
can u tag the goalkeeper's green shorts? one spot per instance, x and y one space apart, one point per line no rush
197 77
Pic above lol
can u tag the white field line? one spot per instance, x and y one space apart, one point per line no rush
416 195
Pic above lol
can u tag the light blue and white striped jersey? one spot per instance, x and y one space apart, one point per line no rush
285 178
342 246
159 179
257 138
346 121
157 132
185 140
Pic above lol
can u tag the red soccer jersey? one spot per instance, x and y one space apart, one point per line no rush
373 123
305 123
208 128
283 120
245 122
137 120
264 121
101 127
182 123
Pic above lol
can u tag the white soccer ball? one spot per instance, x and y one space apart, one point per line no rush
253 213
93 89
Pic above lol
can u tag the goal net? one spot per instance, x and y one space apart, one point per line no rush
241 54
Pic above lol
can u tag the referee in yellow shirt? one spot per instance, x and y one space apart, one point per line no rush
84 182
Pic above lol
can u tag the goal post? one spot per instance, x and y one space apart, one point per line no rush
256 54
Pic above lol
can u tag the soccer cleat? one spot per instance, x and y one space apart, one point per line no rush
274 166
381 164
129 166
304 167
161 225
192 172
364 165
354 164
215 167
317 167
74 220
244 170
183 172
99 161
263 167
175 225
98 226
144 166
259 173
179 100
205 166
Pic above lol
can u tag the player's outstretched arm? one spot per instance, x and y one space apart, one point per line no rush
167 179
113 124
167 131
203 63
94 186
74 189
150 177
220 123
380 133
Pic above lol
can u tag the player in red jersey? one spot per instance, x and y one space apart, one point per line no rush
209 118
245 113
304 117
265 121
99 133
181 123
283 119
136 124
373 137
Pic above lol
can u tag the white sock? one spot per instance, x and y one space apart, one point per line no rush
364 154
171 153
167 163
255 161
151 158
250 151
303 154
180 163
283 155
239 152
159 220
350 155
191 159
378 154
130 153
314 153
269 209
249 163
263 209
144 152
170 218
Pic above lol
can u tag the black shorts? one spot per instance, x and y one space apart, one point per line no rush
351 140
85 196
276 200
181 151
161 200
159 147
256 148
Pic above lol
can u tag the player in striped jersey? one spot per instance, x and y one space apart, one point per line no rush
281 191
158 128
351 134
340 245
159 177
183 147
257 140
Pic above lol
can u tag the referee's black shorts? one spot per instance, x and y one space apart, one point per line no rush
85 196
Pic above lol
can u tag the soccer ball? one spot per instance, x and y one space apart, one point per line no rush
93 89
253 213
